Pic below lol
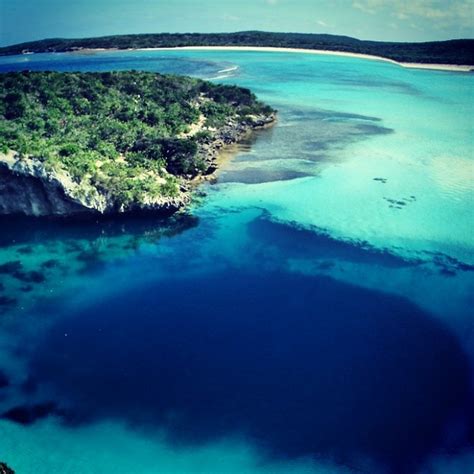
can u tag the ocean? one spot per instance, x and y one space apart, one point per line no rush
312 312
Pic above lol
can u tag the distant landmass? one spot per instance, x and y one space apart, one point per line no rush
458 51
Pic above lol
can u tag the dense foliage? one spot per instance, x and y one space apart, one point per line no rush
121 131
441 52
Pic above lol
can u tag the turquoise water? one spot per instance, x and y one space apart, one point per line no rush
312 313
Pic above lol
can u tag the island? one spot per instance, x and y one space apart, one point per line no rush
451 52
114 142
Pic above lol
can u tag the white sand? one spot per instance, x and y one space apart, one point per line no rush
440 67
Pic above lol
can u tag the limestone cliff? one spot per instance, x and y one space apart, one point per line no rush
28 187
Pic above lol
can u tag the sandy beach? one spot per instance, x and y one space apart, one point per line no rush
439 67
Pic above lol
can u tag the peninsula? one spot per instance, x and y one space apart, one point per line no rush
113 142
451 52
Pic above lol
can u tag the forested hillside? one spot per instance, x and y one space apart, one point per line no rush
131 135
437 52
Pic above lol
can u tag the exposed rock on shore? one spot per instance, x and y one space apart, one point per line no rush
114 142
4 469
27 187
232 132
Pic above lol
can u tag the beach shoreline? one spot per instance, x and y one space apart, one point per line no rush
269 49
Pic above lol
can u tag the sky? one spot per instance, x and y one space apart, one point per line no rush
386 20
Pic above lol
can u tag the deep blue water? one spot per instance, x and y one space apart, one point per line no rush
312 313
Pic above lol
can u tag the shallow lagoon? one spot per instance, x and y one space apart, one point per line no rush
313 314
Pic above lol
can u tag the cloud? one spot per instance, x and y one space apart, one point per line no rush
228 17
368 6
322 23
457 12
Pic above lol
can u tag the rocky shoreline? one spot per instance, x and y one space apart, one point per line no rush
232 132
4 469
28 188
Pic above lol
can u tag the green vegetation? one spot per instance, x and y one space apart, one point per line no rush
126 133
441 52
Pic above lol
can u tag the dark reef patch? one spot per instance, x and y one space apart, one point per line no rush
7 301
400 203
449 265
28 414
399 87
337 129
295 240
10 268
32 276
371 129
25 250
307 366
253 175
51 263
17 229
92 260
311 135
4 381
77 245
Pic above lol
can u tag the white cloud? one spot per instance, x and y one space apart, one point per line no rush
368 6
322 23
230 18
455 12
415 27
401 15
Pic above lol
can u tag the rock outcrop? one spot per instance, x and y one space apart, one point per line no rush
232 132
28 188
4 469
